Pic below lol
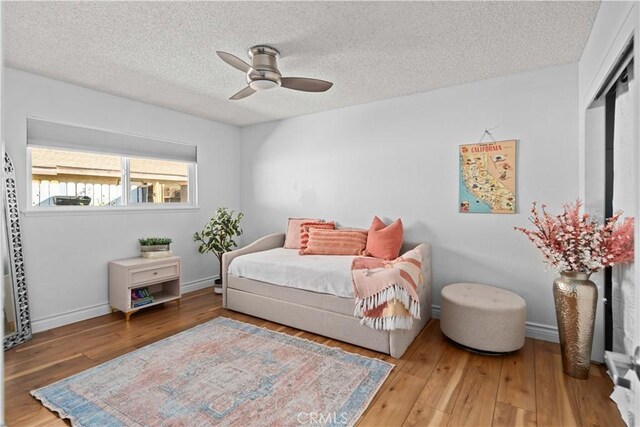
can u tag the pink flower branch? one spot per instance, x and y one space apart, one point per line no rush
572 241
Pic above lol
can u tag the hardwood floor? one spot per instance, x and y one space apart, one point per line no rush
434 384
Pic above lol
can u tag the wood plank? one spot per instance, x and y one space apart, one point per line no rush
517 380
20 406
390 379
418 342
312 337
103 354
244 318
139 337
550 347
54 351
444 383
373 405
35 418
424 359
421 414
395 402
111 326
506 415
40 366
477 397
426 416
91 324
56 423
366 352
38 337
592 396
555 400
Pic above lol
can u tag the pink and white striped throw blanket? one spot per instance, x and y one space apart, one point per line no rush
386 291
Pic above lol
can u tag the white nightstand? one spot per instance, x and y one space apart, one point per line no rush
160 275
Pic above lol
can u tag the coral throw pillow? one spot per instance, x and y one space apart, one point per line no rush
384 242
335 242
292 240
307 226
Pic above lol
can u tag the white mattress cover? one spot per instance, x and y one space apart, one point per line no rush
328 274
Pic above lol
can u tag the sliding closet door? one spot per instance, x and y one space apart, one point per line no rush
625 197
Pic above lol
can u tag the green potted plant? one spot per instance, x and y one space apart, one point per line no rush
217 236
155 247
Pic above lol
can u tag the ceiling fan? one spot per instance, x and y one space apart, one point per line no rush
263 73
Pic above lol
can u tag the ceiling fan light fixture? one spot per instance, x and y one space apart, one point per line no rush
263 73
263 84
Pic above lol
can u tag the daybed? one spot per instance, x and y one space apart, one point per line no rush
313 293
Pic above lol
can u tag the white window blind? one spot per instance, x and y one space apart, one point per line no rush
43 133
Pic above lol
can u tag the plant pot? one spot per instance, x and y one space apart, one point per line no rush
575 299
155 251
154 248
217 286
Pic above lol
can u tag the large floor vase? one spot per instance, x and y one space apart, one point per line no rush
575 299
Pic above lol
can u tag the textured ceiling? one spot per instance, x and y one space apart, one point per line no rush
164 53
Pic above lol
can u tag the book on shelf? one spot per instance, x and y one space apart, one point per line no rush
140 293
141 296
141 302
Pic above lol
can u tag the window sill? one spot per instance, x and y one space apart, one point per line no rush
91 210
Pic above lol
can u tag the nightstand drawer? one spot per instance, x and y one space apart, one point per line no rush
142 276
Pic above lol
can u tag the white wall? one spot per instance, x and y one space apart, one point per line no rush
615 24
399 158
66 255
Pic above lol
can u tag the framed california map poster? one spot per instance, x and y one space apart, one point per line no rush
488 178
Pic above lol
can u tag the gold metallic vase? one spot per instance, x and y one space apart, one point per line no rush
575 299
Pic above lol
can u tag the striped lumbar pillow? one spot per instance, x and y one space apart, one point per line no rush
292 239
307 226
336 242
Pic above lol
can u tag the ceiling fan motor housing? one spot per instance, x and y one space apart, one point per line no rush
265 74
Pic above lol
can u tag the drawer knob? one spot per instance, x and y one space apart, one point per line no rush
155 272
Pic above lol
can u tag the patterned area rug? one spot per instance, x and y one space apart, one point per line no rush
222 372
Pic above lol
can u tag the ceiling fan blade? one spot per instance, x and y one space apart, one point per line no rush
234 61
305 85
247 91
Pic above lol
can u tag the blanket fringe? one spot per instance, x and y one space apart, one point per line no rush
388 323
390 293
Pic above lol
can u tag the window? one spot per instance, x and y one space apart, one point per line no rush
158 181
67 178
78 167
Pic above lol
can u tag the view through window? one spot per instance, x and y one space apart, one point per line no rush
158 181
75 178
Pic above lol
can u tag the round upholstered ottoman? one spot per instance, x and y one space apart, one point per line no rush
483 317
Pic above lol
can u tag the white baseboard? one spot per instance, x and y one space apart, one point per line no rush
72 316
535 330
196 285
435 311
543 332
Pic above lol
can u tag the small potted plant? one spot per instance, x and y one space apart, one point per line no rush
155 247
217 236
